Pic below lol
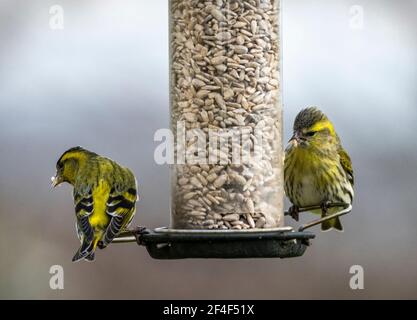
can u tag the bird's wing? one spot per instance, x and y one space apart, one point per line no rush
84 207
121 207
346 165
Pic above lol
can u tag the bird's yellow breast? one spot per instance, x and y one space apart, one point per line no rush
306 162
100 219
308 176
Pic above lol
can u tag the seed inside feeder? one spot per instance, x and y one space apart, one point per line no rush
226 94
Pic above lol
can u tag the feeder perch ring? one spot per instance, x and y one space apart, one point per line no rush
345 208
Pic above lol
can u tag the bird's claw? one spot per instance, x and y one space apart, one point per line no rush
294 213
140 229
138 232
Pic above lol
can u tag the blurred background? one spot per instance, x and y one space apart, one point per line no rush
102 82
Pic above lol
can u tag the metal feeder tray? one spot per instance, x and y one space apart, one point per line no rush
166 244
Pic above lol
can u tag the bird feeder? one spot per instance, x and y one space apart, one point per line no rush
226 114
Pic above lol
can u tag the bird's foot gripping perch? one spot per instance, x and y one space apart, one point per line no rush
130 236
138 232
294 212
324 207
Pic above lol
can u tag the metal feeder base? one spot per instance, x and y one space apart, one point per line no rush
167 244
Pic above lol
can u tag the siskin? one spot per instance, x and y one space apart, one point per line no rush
105 196
318 171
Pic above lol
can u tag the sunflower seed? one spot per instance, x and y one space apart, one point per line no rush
220 181
231 217
217 14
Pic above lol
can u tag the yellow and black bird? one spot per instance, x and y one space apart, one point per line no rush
105 196
318 171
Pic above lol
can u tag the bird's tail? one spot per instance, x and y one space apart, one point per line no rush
332 224
91 257
86 251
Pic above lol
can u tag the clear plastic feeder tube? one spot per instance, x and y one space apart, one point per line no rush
226 114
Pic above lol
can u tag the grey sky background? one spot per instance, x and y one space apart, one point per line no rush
102 82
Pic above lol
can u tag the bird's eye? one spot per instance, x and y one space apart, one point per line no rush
60 166
311 133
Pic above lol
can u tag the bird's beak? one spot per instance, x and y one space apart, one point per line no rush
56 181
295 139
298 140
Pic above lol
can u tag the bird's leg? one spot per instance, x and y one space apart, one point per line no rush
294 212
325 208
